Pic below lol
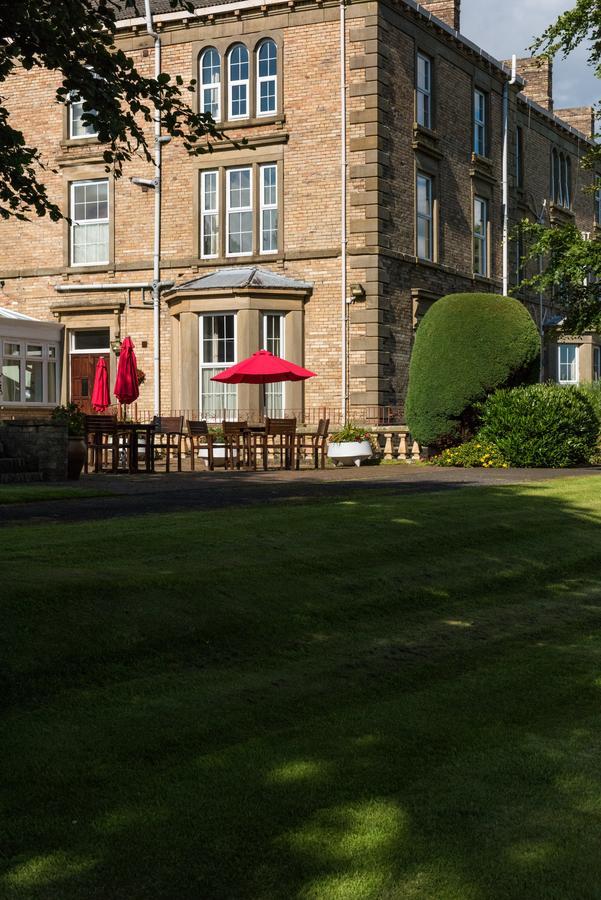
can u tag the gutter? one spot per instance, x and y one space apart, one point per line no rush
506 87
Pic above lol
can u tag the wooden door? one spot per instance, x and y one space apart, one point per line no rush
83 369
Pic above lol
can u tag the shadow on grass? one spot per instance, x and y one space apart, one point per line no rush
404 702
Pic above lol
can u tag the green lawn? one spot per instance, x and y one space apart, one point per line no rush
387 698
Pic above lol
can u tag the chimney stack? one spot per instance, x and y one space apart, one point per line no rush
580 117
537 72
449 11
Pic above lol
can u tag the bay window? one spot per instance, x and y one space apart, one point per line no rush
29 372
568 363
89 213
217 352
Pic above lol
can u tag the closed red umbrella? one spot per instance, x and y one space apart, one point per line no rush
263 368
126 384
101 397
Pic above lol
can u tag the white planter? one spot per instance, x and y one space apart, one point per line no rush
218 455
350 452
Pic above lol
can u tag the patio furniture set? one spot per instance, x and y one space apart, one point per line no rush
118 446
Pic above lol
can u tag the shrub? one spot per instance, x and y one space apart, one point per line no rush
593 393
466 346
473 454
349 432
544 425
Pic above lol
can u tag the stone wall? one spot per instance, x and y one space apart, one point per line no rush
42 444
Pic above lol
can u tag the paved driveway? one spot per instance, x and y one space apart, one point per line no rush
142 494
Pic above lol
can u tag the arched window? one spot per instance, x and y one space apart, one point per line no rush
238 82
210 83
267 76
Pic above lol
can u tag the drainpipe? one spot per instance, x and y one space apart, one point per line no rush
156 261
506 175
343 206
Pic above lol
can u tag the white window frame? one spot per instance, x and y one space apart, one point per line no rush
278 386
74 352
22 361
86 222
425 90
480 148
241 209
268 207
237 83
264 79
210 85
206 212
574 365
76 101
220 367
481 238
421 216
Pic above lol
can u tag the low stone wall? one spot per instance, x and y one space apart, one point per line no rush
41 443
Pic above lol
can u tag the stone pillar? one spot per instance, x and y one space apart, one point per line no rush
294 344
247 341
189 364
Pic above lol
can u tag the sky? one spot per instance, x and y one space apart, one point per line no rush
512 31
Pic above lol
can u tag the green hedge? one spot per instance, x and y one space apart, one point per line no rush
544 425
466 346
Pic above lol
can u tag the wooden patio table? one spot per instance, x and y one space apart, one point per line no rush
132 430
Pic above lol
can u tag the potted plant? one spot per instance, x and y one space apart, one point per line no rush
218 439
71 416
350 445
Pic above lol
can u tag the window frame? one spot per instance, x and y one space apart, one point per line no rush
575 364
430 218
210 86
263 79
519 156
75 100
204 213
23 358
596 363
482 240
278 386
75 223
203 365
423 91
597 201
248 209
267 207
231 83
480 126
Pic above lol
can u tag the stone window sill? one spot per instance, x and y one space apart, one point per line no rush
235 124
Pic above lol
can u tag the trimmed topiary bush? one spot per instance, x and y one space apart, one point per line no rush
466 346
544 425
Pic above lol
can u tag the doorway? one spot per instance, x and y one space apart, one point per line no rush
86 349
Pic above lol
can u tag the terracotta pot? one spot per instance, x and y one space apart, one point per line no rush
76 456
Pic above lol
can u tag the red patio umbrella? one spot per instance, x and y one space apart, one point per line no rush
126 384
101 397
263 368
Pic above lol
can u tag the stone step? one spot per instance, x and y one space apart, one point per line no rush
20 477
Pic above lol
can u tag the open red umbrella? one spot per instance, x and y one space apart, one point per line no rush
126 384
101 397
263 368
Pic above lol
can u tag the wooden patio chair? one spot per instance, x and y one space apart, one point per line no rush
235 437
280 438
169 433
317 443
98 430
199 434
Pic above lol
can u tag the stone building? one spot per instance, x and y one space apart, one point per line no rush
378 108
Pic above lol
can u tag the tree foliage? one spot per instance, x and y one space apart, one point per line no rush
571 263
75 39
466 346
